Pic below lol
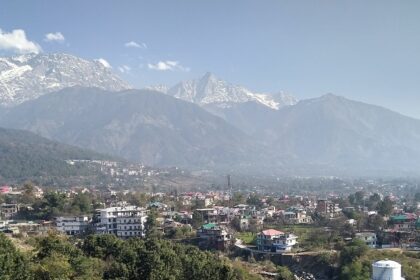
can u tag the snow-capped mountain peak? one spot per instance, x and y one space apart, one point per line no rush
210 90
29 76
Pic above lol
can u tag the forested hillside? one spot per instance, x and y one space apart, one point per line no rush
25 155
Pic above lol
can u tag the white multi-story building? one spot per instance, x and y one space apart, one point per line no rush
272 240
124 222
72 225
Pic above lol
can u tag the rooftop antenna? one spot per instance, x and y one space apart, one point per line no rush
230 196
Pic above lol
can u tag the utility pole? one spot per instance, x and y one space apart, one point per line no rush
230 196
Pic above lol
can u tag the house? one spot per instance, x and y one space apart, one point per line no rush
123 221
214 236
269 211
327 208
38 192
209 214
169 224
272 240
244 223
5 189
73 225
403 222
158 206
369 238
8 210
297 216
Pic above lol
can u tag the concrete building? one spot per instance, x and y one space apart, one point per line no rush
369 238
272 240
327 208
214 236
297 216
73 225
124 221
8 210
403 222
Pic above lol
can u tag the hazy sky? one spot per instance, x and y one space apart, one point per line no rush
364 50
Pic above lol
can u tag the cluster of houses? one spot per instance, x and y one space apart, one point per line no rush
218 224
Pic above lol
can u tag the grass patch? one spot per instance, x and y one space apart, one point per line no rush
247 237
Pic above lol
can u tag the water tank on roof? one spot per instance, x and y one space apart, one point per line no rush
386 270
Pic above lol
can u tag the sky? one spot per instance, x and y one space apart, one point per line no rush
363 50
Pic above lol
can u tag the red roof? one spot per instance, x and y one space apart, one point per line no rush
4 189
272 232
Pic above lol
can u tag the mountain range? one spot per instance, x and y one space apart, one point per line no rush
29 76
139 125
209 123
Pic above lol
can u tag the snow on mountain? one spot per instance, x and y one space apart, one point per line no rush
27 77
159 87
210 90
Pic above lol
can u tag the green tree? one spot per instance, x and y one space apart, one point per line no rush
356 270
238 198
284 273
102 246
385 207
255 200
54 267
197 219
373 201
13 265
353 250
151 225
82 204
28 194
376 222
417 197
235 223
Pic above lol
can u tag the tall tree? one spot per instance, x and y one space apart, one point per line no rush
385 207
13 265
151 225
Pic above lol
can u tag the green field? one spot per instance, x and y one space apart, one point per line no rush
247 237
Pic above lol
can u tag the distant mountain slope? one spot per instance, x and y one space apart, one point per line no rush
25 155
346 134
27 77
140 125
210 90
253 118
